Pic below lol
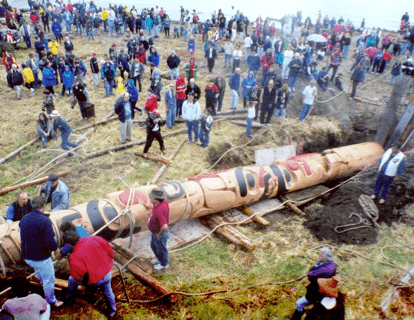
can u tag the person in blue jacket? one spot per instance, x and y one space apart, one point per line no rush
253 61
395 72
69 226
234 84
57 30
65 130
56 193
154 57
247 84
68 78
133 95
49 77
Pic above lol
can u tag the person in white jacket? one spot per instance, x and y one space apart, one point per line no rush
287 57
192 113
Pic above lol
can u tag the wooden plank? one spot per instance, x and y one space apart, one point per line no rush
152 158
256 218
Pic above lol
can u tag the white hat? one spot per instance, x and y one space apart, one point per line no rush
297 54
55 113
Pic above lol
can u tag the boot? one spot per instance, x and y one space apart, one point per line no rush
297 315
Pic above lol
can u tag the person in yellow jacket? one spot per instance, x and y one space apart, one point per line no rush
54 48
121 88
105 15
28 78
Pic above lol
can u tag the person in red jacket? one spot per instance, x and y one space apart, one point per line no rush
180 87
151 103
90 265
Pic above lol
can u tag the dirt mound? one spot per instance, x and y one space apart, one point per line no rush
229 159
335 210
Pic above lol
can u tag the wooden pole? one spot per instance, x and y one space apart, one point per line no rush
292 207
171 158
129 254
150 157
145 277
104 120
128 145
256 218
17 151
228 232
6 190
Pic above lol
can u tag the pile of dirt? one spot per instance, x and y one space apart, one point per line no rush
229 159
335 210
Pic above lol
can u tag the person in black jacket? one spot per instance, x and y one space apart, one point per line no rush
357 77
68 46
136 70
282 101
81 94
211 56
193 88
154 123
268 102
95 70
254 95
173 62
15 79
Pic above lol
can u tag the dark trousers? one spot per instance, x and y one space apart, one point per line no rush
135 79
354 88
179 107
211 104
51 90
266 110
167 31
236 64
150 138
383 182
257 112
335 69
220 100
210 63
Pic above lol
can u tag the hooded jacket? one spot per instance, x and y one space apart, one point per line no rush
248 81
133 91
151 103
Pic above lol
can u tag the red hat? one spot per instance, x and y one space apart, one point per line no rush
114 45
94 53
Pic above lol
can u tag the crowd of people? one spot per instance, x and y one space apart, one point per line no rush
272 60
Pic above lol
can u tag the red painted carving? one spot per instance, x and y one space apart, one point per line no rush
124 196
208 175
296 163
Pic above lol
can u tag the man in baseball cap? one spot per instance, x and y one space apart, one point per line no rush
56 193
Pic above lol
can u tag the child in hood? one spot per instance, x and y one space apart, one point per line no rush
68 78
206 123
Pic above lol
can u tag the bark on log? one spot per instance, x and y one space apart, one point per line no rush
228 232
231 112
16 152
143 121
129 254
150 157
292 207
368 101
145 277
106 119
6 190
256 218
128 145
389 117
171 158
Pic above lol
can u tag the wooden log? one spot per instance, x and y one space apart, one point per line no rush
292 207
103 121
228 232
129 254
402 124
17 151
256 218
143 121
231 112
171 158
368 101
145 277
244 123
150 157
6 190
128 145
92 127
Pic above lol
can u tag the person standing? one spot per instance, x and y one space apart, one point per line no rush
335 61
65 130
37 243
95 70
15 80
191 69
211 56
68 46
392 165
173 62
250 116
194 88
81 94
191 113
356 78
324 268
220 83
136 70
237 55
19 208
309 94
158 223
206 123
108 73
90 264
282 101
123 63
234 84
295 66
247 84
170 105
56 193
254 95
228 51
155 80
211 91
180 88
49 77
153 124
287 57
125 111
26 32
268 103
253 61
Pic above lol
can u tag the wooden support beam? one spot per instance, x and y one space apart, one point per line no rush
256 218
145 277
128 145
292 207
153 158
228 232
368 101
6 190
129 254
171 158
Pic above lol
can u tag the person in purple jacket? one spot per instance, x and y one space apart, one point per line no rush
325 267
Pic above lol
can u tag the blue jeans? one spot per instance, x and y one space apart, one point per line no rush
66 143
227 57
28 42
302 303
159 247
148 32
42 136
192 126
204 137
234 99
220 100
68 29
171 113
109 86
45 271
175 72
306 109
392 79
345 51
259 51
281 112
292 81
383 182
111 29
221 32
104 284
78 30
249 126
156 31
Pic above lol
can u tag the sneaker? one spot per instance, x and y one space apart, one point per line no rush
373 197
58 303
159 266
189 141
293 89
155 261
382 201
112 314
